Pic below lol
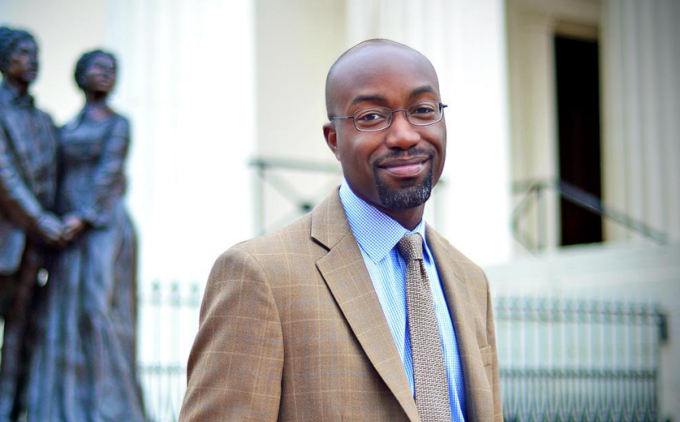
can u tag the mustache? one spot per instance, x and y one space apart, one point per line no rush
399 155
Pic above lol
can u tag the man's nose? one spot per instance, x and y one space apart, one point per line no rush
401 134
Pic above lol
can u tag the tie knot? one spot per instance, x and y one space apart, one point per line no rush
411 247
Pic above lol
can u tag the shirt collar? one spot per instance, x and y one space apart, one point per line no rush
375 232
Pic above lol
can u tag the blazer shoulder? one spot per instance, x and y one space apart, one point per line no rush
287 246
279 240
272 258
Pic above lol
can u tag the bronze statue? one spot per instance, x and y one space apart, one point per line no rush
28 179
83 365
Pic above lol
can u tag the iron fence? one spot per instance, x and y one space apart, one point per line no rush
560 359
167 324
579 360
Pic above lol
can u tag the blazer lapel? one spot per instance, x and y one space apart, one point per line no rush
346 275
464 313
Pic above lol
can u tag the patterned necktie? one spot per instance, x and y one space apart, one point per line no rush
429 371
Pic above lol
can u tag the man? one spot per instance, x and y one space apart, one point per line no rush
28 172
347 314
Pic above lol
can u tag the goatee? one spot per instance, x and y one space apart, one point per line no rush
407 197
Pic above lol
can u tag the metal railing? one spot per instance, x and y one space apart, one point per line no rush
532 194
560 359
276 177
167 325
579 360
275 173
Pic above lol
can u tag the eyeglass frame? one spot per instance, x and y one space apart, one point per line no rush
442 106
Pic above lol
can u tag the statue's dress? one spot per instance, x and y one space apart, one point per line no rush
83 367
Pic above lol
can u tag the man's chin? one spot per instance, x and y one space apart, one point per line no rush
406 194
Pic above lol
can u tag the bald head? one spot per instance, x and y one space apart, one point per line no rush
394 164
370 57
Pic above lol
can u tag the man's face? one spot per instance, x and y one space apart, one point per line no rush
393 169
23 62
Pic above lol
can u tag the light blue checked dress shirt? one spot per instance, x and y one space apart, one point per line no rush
378 235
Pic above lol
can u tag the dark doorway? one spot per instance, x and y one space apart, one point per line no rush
578 111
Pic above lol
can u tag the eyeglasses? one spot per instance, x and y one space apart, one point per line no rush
374 119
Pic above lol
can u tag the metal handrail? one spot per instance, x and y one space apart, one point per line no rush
530 189
290 164
304 201
578 197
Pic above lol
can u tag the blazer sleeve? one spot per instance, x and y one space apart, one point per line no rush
495 372
236 363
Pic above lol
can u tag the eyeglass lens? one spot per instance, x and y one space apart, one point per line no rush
378 118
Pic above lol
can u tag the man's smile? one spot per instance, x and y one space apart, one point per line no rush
405 164
405 167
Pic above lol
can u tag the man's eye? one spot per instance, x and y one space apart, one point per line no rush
423 109
370 116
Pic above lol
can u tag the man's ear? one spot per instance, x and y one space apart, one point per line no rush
331 138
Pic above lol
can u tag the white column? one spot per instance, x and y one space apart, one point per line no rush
534 144
642 132
187 83
641 90
466 43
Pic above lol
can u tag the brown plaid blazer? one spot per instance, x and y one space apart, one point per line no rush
292 330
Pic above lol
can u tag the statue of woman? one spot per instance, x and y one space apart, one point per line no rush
83 367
